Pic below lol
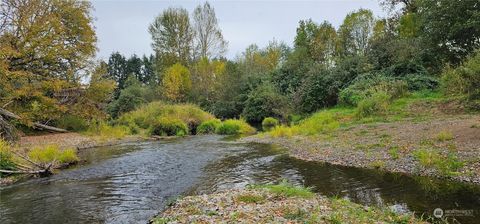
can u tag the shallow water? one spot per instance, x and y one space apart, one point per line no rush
131 182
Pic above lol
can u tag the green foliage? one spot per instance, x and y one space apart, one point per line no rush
146 115
72 123
129 99
264 101
464 80
53 154
105 131
169 127
233 126
367 85
444 136
208 127
250 198
269 122
446 165
6 157
286 189
176 82
377 104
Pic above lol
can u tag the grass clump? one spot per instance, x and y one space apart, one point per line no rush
394 152
286 189
233 126
444 136
269 123
103 130
6 157
52 154
208 127
148 114
281 131
345 211
169 127
250 198
445 165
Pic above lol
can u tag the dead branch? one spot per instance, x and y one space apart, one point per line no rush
36 125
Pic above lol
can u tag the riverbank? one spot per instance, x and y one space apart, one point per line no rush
283 203
65 141
445 147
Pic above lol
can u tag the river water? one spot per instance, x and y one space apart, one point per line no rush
131 183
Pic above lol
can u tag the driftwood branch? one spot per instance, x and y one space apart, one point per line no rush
25 171
36 125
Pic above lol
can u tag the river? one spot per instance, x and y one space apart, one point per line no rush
130 183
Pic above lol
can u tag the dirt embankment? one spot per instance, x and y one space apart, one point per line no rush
397 147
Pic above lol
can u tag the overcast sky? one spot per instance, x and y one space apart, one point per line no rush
122 25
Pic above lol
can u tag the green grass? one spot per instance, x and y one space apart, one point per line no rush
445 165
234 126
208 127
143 118
286 189
6 157
330 120
444 136
251 198
168 127
53 154
394 152
345 211
104 131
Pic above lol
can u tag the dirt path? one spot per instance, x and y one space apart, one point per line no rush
395 146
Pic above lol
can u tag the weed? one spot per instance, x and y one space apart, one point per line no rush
52 153
378 164
394 152
208 127
445 165
286 189
250 198
444 136
233 126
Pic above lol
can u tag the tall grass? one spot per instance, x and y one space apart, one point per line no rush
104 131
6 157
52 153
147 115
233 126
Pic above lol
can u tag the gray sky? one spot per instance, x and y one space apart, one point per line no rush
122 25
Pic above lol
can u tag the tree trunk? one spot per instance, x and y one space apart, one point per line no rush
36 125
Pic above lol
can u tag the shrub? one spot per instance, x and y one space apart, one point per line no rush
72 123
233 126
52 153
146 115
208 127
6 157
464 80
268 123
375 105
264 101
169 127
367 85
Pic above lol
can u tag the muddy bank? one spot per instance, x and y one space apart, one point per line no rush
395 146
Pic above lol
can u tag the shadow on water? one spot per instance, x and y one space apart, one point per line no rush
129 183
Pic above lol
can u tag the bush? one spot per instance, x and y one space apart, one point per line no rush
6 157
375 105
232 127
268 123
145 116
72 123
169 127
208 127
265 101
367 85
52 153
464 80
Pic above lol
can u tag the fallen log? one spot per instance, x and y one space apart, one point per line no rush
36 125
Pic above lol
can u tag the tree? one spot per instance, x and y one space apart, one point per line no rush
45 46
450 29
356 31
323 46
265 101
176 82
172 36
206 75
209 42
117 70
